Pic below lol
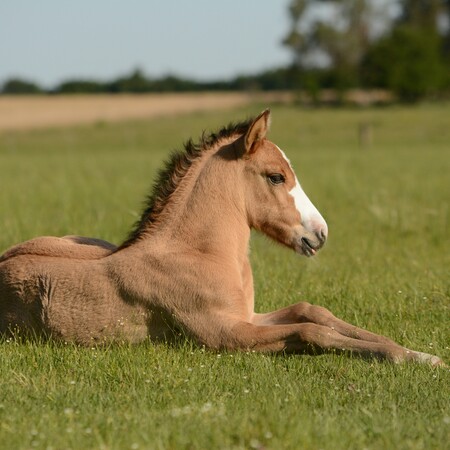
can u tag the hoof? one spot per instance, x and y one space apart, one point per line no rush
426 358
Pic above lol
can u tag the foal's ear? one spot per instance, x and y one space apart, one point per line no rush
257 132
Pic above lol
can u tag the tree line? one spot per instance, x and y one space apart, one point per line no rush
137 82
402 46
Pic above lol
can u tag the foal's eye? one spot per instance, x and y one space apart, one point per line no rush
276 178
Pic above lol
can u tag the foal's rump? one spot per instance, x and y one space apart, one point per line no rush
77 247
67 299
28 286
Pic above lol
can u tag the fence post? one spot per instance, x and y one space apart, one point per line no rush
365 135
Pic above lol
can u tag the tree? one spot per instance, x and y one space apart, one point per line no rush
337 40
81 86
421 14
299 37
136 83
20 86
408 62
411 60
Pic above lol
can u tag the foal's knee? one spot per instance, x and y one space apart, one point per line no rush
307 312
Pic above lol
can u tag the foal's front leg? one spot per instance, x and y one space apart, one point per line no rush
306 313
310 337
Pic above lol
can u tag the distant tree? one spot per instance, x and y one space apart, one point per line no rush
20 86
299 38
408 62
135 83
413 60
172 83
81 86
337 40
423 14
346 40
353 43
432 16
446 20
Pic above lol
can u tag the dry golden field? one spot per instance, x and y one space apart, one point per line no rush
30 112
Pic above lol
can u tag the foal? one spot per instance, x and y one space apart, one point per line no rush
185 267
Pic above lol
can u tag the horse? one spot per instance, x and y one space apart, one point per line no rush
184 269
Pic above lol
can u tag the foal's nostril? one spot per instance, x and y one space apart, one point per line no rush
321 235
320 230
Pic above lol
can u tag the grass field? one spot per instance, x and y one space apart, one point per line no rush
385 267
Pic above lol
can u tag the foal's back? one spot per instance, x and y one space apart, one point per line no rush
74 247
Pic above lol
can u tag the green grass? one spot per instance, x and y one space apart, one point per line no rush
386 267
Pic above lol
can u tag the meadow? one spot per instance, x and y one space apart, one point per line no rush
385 267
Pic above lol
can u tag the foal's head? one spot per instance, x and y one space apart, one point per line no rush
275 201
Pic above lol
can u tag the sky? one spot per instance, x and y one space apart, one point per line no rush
50 41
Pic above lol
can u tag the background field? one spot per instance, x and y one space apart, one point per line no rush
386 267
27 112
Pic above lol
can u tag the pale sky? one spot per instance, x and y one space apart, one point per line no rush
48 41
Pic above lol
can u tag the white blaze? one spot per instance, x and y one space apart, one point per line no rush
311 218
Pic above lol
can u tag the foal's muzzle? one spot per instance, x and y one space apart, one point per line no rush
309 243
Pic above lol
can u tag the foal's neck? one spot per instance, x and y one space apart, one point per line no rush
206 213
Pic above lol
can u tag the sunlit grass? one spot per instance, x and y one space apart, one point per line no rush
386 267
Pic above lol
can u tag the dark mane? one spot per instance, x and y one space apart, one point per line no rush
169 177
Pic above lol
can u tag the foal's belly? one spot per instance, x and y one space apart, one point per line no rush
117 324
